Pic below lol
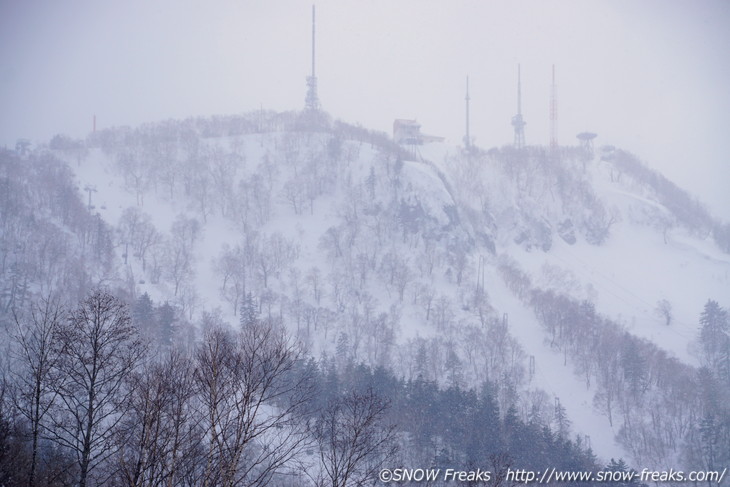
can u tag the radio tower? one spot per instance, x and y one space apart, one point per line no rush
553 113
517 121
467 138
312 100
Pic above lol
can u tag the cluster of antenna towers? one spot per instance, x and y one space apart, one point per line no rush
518 121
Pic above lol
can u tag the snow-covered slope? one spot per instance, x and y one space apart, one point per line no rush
367 254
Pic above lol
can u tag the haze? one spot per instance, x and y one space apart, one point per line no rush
648 76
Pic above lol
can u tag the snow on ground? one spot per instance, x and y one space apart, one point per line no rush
626 277
636 268
554 376
112 198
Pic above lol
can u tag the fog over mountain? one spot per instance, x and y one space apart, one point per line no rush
244 276
648 76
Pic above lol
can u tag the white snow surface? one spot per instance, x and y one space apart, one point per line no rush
625 277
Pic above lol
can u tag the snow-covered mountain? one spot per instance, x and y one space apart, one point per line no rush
566 278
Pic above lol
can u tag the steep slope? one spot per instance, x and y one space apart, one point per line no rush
49 242
369 255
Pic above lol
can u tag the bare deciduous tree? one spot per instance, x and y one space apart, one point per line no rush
353 439
137 233
664 311
234 265
179 253
37 358
160 440
99 348
274 253
251 397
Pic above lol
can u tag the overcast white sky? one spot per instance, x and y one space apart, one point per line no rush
651 76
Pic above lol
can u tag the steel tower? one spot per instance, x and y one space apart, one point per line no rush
467 137
312 100
517 121
553 113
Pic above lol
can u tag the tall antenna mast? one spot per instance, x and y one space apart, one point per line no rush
554 113
312 100
467 138
519 91
517 121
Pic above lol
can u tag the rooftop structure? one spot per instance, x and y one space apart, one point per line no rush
409 132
